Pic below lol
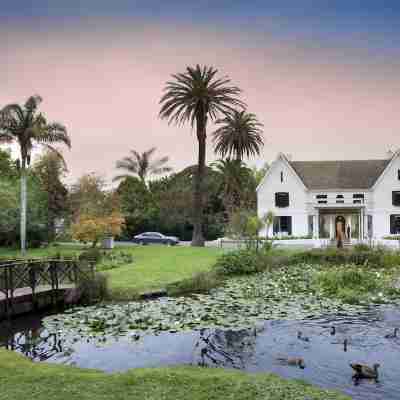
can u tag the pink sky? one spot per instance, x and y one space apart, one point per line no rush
104 85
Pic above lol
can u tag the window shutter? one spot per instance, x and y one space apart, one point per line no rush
282 199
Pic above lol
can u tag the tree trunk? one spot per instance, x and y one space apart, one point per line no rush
23 207
197 238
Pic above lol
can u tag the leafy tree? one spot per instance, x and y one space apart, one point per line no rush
259 173
194 97
27 127
89 228
8 167
96 211
142 165
10 212
50 169
87 196
239 134
268 220
237 184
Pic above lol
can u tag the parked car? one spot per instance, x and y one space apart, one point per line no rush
156 238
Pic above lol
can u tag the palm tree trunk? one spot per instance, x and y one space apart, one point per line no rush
197 238
23 207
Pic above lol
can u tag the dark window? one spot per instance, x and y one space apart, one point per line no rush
339 201
282 176
369 226
311 225
283 224
358 195
339 196
398 174
394 224
321 196
322 201
396 198
282 199
359 201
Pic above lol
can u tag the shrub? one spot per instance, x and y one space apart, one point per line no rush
349 283
202 282
114 259
93 289
92 254
361 247
238 263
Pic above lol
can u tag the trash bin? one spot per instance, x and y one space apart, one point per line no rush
108 242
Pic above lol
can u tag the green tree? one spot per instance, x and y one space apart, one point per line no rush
50 169
268 220
26 126
8 167
142 165
239 135
259 173
194 97
237 185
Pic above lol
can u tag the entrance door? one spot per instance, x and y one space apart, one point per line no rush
340 225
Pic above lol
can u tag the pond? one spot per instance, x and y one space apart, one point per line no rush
253 350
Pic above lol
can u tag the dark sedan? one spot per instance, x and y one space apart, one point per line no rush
156 238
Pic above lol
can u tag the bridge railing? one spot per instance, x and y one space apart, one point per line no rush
34 274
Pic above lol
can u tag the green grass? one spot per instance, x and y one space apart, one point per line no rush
21 379
65 250
155 267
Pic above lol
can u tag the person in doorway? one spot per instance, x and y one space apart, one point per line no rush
348 231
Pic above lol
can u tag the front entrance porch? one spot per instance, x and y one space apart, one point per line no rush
348 221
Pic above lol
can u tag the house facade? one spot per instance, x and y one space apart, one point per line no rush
319 198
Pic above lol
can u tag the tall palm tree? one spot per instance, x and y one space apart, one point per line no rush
142 165
194 97
27 127
239 134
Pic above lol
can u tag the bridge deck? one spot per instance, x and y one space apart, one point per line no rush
26 291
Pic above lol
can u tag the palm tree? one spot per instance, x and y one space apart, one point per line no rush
27 127
235 178
239 134
194 97
142 165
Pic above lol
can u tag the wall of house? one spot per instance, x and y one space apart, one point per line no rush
381 199
297 197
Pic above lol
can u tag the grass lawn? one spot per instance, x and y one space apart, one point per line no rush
65 250
153 267
21 379
156 266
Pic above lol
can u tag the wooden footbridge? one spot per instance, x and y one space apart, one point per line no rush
26 285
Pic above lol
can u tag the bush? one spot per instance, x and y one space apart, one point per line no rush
349 283
238 263
202 282
377 258
114 259
361 247
92 254
94 289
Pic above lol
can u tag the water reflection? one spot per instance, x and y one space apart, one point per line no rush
225 348
29 338
252 350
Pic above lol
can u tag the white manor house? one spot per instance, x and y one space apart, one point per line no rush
315 198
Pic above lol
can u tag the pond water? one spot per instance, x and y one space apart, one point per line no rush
252 350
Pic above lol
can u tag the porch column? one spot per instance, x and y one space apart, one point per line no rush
316 225
332 234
